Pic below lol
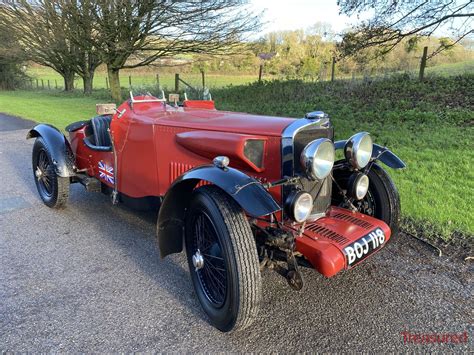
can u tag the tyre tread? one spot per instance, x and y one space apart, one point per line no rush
242 240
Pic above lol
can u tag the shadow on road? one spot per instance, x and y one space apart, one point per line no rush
138 241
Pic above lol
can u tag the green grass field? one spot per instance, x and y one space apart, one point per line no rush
56 108
141 78
146 77
429 125
451 69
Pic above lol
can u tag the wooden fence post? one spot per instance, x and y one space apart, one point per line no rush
203 79
56 84
49 87
176 82
260 73
107 83
42 84
423 63
333 67
323 72
130 81
158 80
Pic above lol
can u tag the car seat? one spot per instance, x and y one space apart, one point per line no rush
100 126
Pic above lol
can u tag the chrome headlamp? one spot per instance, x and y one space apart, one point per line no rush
317 158
358 150
358 185
299 206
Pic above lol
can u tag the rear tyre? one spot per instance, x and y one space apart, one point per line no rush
53 189
382 200
223 260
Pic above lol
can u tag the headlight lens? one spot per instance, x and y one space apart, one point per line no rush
358 150
299 205
317 158
358 185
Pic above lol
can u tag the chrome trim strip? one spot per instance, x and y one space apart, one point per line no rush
115 199
299 123
288 137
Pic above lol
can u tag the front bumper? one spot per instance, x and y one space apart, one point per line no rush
341 240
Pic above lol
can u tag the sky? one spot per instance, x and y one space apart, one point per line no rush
300 14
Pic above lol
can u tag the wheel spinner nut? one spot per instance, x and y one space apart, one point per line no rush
198 260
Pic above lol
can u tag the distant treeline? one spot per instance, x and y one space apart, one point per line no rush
309 53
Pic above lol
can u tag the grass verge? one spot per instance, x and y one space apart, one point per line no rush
56 108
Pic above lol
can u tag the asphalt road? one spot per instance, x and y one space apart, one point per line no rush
89 278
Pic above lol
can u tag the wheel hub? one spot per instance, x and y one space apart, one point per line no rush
198 260
38 173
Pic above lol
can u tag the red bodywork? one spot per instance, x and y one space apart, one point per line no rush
324 241
155 143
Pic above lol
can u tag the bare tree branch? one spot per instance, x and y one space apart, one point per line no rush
394 21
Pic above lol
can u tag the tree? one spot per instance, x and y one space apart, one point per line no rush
80 29
322 29
134 33
40 29
50 35
393 21
11 61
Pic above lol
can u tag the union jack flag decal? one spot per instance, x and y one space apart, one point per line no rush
106 172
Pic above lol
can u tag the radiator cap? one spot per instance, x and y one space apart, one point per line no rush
316 115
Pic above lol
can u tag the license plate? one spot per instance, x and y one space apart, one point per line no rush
363 247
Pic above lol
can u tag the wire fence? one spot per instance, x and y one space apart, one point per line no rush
180 81
169 81
331 71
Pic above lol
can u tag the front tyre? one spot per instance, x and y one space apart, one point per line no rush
53 189
222 259
383 199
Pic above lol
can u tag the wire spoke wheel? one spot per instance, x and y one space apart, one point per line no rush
367 205
53 189
43 173
213 274
222 258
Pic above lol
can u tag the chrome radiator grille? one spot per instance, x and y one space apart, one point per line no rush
305 132
321 193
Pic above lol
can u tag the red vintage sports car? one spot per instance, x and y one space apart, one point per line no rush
239 192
